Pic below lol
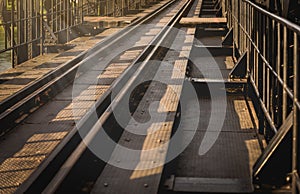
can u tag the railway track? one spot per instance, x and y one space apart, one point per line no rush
113 90
56 173
17 107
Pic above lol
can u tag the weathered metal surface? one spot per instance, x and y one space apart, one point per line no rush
204 185
61 112
232 155
272 49
117 180
227 166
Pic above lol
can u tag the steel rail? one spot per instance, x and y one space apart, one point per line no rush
101 104
23 101
77 153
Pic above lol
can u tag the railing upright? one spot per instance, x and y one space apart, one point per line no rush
272 46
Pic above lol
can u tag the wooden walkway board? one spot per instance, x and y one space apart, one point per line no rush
195 21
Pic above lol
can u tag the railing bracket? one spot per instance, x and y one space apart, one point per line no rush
273 165
240 68
228 40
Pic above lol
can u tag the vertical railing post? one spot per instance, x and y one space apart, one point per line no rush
12 34
278 69
295 117
285 64
259 68
30 29
68 25
41 28
273 52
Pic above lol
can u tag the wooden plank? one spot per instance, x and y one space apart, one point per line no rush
196 21
97 19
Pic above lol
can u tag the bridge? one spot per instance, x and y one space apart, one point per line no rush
149 96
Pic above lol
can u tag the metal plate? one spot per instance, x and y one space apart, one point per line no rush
117 180
193 184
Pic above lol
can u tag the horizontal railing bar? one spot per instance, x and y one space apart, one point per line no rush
270 74
263 107
292 26
280 80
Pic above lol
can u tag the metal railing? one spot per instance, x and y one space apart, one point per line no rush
271 44
113 7
61 16
26 24
19 23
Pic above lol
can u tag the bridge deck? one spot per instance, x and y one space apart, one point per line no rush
15 79
41 132
225 167
146 176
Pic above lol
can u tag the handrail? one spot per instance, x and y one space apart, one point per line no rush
292 26
271 44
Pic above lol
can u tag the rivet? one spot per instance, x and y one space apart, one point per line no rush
105 184
145 185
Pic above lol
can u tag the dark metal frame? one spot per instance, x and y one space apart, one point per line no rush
33 25
21 21
271 44
28 22
61 16
114 8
